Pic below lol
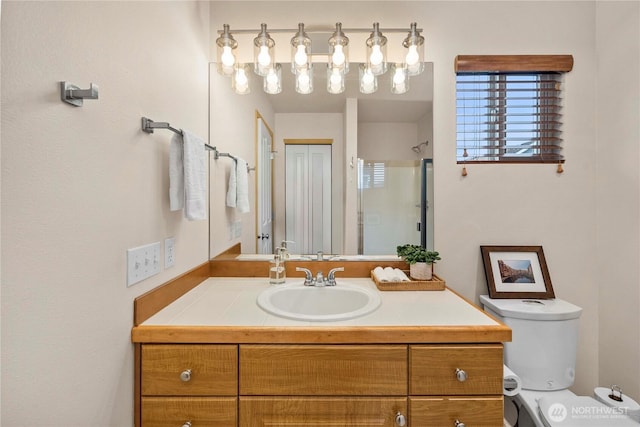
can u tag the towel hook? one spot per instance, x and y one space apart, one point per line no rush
72 94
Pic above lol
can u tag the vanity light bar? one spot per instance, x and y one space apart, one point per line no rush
337 58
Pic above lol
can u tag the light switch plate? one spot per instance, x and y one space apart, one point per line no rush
169 252
142 262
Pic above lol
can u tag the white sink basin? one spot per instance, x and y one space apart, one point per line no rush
318 303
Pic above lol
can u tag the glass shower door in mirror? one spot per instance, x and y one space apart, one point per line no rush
393 205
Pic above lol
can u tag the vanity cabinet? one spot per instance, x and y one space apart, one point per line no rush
318 385
185 385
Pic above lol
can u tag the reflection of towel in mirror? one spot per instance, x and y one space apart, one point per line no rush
187 175
231 190
242 186
238 190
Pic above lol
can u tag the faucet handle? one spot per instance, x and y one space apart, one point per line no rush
308 279
331 278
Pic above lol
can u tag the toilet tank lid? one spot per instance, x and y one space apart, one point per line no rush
532 309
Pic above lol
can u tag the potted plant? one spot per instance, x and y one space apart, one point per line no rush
420 260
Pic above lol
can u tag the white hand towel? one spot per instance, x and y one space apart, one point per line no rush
400 276
232 193
176 174
195 177
242 186
380 274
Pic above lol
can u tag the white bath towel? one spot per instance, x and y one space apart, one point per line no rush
187 176
232 192
176 174
195 177
242 186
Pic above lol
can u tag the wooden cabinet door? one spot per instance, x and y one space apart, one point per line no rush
213 370
320 412
477 411
323 370
433 369
199 411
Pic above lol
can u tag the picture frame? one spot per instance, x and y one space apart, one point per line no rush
517 272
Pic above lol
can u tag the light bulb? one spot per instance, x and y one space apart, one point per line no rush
398 77
264 59
303 82
227 57
272 77
338 57
412 57
376 55
241 78
300 57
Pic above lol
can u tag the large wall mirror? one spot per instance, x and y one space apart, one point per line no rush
348 174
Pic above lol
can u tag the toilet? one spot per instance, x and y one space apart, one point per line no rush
542 354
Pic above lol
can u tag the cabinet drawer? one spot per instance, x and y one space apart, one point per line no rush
315 370
444 411
200 411
320 412
213 370
433 369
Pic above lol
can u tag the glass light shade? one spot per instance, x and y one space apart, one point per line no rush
399 79
300 50
226 58
273 80
414 55
240 79
304 81
263 52
335 80
368 82
339 50
377 51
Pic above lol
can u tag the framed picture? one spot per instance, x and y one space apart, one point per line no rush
516 272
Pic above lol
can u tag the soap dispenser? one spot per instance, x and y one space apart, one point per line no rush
277 272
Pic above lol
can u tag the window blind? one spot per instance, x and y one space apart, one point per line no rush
509 117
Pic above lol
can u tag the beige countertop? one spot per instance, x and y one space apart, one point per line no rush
222 309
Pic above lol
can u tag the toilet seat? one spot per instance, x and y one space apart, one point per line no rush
580 411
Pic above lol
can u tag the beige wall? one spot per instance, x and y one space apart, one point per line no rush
80 186
618 210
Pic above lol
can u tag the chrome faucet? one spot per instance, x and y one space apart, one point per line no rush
319 280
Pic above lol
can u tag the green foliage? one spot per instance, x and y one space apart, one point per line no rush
416 253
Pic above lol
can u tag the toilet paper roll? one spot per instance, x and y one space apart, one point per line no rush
511 383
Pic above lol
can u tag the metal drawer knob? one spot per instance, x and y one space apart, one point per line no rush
461 376
401 420
459 424
187 424
186 376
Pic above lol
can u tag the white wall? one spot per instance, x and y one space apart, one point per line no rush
618 210
80 186
387 141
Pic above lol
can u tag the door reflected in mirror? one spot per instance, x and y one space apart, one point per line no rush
372 129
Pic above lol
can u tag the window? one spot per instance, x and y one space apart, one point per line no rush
513 115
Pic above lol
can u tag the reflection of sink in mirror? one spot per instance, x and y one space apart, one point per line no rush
319 303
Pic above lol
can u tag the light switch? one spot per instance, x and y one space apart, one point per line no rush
142 262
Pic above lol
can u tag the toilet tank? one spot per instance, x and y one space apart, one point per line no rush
544 340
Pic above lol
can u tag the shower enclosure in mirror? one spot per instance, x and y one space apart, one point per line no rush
393 205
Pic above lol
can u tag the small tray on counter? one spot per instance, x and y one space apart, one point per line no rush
435 284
